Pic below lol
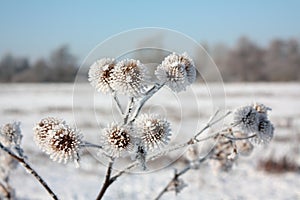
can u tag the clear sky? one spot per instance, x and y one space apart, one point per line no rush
34 28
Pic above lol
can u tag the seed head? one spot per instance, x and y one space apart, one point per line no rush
265 131
129 77
154 131
64 144
116 140
43 129
100 74
176 71
10 134
246 118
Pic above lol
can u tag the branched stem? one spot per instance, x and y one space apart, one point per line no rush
26 165
107 180
148 95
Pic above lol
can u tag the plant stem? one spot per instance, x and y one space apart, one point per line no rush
30 170
149 94
118 104
129 109
107 180
180 173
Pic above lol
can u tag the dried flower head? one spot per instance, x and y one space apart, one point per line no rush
10 134
129 77
261 108
64 144
176 71
244 147
246 118
100 74
153 130
224 154
265 131
43 129
116 140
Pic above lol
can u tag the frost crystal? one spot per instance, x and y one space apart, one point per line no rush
153 130
246 118
116 140
10 134
43 129
64 144
176 71
129 77
100 74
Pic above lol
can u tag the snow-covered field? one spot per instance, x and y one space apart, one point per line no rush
187 112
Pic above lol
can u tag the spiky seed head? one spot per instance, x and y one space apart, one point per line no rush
177 71
100 74
10 134
64 144
43 129
129 77
116 140
246 118
154 130
265 131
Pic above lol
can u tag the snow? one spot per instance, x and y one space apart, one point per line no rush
187 111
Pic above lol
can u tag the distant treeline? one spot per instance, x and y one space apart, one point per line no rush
246 61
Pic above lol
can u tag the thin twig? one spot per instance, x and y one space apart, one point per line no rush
239 138
129 109
149 94
118 104
30 170
90 145
211 123
106 181
180 173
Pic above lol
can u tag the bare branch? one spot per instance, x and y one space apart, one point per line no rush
30 170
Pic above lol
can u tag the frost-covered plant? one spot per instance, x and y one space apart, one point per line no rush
142 136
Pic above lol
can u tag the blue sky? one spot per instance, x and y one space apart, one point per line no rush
34 28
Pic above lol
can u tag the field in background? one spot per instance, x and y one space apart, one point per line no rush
29 103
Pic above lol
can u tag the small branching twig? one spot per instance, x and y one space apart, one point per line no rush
148 95
176 176
30 170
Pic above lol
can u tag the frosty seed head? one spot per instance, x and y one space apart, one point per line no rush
100 74
153 130
43 129
176 71
64 144
10 134
265 131
129 77
116 140
246 118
